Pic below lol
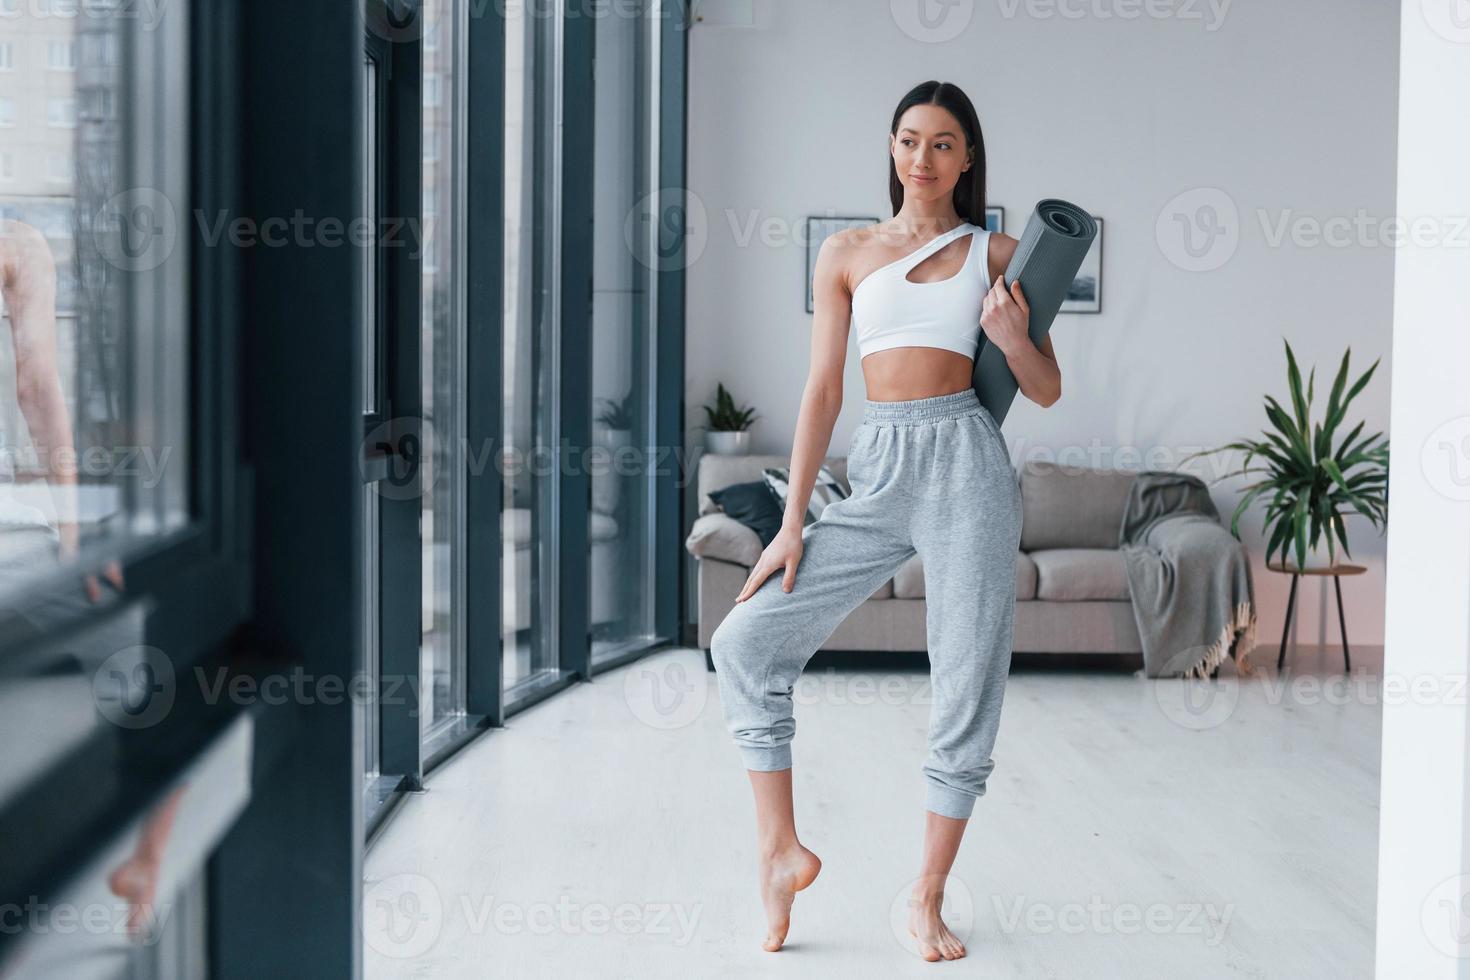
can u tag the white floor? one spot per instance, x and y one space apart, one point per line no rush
1127 832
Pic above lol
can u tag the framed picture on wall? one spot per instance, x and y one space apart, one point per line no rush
995 219
817 230
1085 293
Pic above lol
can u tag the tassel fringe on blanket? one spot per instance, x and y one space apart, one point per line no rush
1236 640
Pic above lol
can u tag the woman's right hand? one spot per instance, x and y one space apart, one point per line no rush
784 552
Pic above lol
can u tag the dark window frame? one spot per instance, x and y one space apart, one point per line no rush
189 584
265 577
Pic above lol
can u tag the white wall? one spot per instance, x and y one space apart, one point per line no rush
1287 108
1424 833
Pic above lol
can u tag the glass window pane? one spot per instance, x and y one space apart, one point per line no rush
621 564
532 176
442 523
93 287
368 256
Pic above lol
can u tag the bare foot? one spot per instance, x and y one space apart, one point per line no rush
784 872
136 880
936 942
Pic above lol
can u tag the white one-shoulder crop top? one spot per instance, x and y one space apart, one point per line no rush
888 310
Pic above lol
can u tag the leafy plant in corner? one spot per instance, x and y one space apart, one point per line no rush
618 414
1309 482
724 416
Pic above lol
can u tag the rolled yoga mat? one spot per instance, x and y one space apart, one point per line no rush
1057 237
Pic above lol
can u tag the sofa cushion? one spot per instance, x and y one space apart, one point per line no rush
753 505
602 527
826 489
1071 506
515 526
722 536
718 470
1078 574
1025 578
606 488
908 583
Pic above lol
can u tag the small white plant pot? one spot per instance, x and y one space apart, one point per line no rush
727 443
613 439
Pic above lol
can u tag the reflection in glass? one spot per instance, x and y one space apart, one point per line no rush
442 523
532 217
623 336
138 908
94 416
368 257
92 286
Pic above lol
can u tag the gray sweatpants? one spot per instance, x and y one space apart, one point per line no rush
928 475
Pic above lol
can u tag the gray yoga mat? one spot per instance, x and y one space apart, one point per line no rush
1057 237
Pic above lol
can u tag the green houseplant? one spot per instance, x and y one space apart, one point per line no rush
1309 482
727 429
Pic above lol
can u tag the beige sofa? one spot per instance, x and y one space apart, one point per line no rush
1071 588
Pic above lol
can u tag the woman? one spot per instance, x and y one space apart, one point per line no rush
930 474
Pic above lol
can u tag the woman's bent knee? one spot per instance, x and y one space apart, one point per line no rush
725 641
741 657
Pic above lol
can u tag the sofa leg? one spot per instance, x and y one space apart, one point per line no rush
709 661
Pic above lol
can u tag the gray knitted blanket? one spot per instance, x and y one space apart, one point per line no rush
1188 577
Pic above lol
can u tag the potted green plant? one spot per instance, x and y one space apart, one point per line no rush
728 426
616 421
1309 482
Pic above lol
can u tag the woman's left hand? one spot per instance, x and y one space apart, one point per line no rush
1004 315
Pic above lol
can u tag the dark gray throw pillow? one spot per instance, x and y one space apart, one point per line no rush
752 504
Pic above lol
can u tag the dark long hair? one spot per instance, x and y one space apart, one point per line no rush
969 192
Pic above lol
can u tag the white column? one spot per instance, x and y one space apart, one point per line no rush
1424 834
